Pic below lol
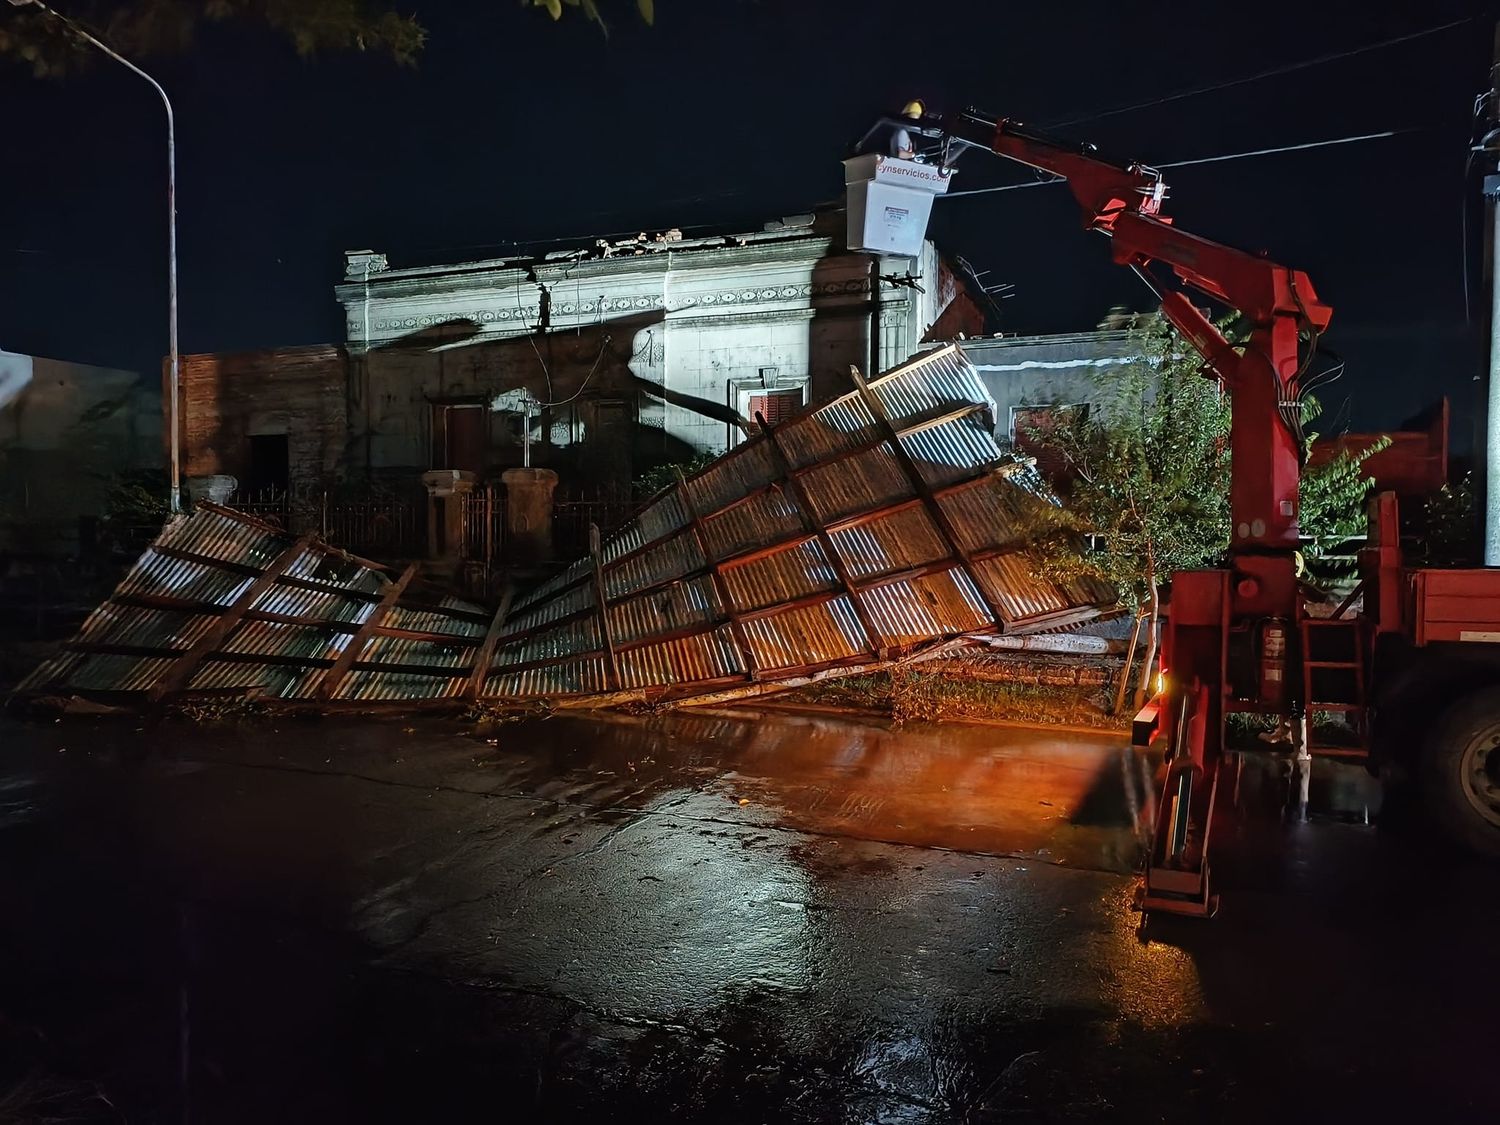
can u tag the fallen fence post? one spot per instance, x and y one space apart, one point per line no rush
919 484
716 576
480 672
357 643
601 602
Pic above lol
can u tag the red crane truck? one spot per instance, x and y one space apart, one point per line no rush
1417 668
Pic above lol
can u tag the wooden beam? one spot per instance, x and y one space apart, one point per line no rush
327 548
104 648
924 491
480 672
177 676
601 603
452 640
825 541
250 572
411 669
357 643
736 627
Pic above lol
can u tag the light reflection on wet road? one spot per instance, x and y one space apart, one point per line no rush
730 916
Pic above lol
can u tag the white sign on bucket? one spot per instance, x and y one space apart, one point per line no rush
889 201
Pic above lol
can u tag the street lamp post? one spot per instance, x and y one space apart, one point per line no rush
175 499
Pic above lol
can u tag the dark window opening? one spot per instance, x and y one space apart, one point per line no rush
1032 428
270 464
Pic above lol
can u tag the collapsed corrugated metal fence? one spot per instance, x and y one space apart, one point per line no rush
854 534
225 604
870 530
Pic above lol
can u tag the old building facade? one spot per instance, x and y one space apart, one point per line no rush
594 361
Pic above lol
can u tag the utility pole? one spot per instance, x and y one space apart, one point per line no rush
175 497
1490 450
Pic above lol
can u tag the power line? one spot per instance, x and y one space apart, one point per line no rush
1292 148
1273 73
1202 160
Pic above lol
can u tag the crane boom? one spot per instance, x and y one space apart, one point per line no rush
1220 622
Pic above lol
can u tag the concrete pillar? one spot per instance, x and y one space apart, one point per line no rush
528 514
445 515
215 489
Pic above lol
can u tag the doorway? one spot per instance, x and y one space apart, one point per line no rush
460 436
269 469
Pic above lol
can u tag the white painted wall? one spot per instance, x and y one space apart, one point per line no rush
706 318
65 430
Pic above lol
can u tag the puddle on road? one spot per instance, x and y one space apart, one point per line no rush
1059 798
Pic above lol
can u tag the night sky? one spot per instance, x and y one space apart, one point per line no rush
730 112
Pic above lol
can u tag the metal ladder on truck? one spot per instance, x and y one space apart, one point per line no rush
1333 675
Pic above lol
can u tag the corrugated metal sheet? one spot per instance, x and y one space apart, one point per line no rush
213 596
793 606
781 577
907 535
757 522
684 660
899 541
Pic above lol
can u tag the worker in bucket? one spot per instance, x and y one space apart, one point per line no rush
902 146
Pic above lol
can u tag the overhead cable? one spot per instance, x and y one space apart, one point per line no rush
1202 160
1275 72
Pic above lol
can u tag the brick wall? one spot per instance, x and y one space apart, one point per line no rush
299 392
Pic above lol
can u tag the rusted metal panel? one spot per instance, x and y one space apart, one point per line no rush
585 676
899 541
819 634
842 425
692 601
780 577
671 558
856 484
685 660
763 519
882 522
915 610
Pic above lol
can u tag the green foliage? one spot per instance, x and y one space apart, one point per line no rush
646 9
1149 469
1451 528
140 29
1152 478
1332 512
136 499
659 477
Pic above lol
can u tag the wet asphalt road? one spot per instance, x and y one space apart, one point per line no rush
727 917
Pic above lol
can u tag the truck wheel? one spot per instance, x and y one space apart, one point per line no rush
1462 772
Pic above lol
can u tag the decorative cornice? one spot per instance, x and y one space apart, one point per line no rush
711 305
434 280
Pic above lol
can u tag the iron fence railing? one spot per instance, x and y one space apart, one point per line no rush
378 527
571 519
272 505
390 526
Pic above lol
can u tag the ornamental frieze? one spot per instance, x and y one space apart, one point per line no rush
528 315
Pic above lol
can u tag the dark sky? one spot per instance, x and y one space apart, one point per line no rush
730 112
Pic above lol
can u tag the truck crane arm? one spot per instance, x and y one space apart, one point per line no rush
1221 622
1123 201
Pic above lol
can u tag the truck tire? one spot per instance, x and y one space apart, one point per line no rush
1461 772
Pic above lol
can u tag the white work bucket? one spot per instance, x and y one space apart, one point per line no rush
888 202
